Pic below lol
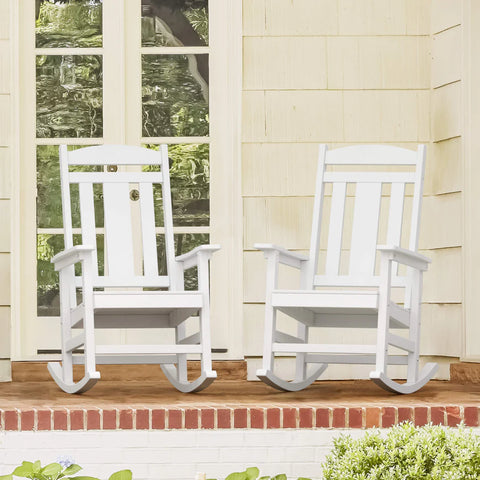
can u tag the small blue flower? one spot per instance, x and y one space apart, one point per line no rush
65 461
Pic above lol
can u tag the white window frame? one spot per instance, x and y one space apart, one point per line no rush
122 124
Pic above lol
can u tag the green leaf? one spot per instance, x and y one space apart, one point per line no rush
85 478
51 469
24 471
121 475
252 473
72 469
280 476
237 476
303 478
6 477
264 478
37 466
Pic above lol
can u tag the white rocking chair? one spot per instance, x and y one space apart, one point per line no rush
368 303
117 299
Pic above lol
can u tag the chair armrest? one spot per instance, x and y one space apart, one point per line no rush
293 259
191 258
405 257
72 256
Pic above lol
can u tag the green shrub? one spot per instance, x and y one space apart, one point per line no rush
252 473
406 453
55 471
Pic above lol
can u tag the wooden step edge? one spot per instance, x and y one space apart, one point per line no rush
37 371
465 372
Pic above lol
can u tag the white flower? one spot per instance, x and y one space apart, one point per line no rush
65 461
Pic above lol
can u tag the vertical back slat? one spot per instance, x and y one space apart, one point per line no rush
365 228
335 231
417 198
149 241
395 218
308 279
167 215
87 219
118 229
66 201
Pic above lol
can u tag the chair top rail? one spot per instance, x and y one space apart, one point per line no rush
161 281
371 155
115 177
114 155
369 177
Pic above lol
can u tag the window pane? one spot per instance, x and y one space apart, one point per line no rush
69 96
49 201
174 23
175 95
189 182
71 23
48 245
184 242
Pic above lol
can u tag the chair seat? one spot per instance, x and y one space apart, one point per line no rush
337 308
152 302
139 309
332 301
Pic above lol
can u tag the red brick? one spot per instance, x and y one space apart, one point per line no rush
405 414
273 418
453 416
471 416
240 416
338 419
93 419
191 418
256 417
372 417
109 419
142 420
322 419
60 420
174 418
44 419
76 420
305 417
388 417
421 416
27 420
126 419
289 418
437 415
224 418
208 418
11 420
158 419
355 418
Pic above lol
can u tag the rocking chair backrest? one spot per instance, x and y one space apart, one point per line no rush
362 251
117 205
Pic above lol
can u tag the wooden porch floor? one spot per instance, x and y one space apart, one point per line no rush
144 386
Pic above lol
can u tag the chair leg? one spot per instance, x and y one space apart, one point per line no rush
177 375
266 372
63 373
415 380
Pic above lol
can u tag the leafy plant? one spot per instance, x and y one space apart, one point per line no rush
56 471
252 473
407 453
